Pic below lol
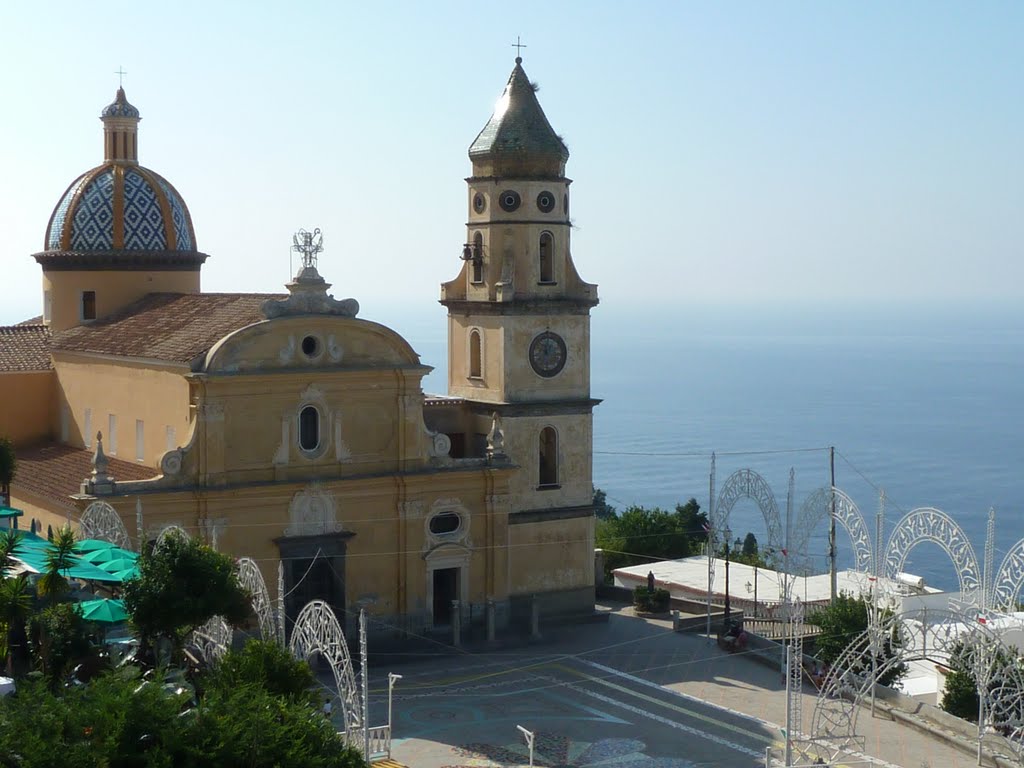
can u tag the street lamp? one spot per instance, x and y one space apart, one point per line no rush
392 679
728 538
528 735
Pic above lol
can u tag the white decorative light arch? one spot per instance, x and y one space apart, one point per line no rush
171 530
1009 579
101 521
927 524
251 579
213 639
817 508
317 630
746 483
849 682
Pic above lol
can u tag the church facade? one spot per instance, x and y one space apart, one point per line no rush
285 428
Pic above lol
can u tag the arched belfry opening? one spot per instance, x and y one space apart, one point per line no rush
548 455
546 257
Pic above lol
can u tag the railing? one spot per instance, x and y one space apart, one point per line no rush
380 742
776 629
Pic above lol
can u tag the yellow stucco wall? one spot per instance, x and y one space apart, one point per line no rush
157 395
114 289
551 556
27 413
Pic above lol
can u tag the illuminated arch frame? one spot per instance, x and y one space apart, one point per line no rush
101 521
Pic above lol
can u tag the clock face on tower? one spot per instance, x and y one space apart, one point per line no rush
547 354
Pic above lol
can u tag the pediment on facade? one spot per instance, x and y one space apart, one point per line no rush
310 342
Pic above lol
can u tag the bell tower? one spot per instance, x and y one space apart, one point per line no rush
518 312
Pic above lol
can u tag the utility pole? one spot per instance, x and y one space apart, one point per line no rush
832 524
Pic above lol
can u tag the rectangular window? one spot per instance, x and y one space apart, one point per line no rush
140 441
65 423
88 305
87 437
112 435
171 439
47 306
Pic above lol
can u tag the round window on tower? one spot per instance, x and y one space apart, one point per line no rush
546 202
509 200
479 202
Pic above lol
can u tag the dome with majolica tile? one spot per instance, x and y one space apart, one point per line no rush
120 214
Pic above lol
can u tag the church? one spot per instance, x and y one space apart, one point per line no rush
285 428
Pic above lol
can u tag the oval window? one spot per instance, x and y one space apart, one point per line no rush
310 346
309 428
546 202
445 522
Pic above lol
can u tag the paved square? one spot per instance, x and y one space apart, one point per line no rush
626 694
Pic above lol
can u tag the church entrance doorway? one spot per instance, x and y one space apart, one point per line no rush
314 569
446 589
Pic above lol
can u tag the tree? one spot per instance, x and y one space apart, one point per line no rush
602 509
640 535
122 720
61 639
1005 670
60 556
15 610
8 469
182 584
267 664
248 726
749 546
844 623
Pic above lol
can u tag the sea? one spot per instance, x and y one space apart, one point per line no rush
925 402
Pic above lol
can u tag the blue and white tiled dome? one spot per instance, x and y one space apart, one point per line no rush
120 213
117 206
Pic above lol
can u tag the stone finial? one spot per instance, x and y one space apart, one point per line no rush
100 461
496 438
100 481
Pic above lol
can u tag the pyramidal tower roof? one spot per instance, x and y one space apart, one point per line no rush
518 139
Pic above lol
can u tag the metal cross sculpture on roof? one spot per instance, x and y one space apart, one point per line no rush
519 49
309 244
120 76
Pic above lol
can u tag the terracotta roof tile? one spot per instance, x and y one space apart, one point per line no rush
174 327
24 348
54 472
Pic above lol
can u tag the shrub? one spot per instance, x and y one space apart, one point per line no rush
651 602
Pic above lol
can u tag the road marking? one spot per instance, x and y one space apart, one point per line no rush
664 720
693 699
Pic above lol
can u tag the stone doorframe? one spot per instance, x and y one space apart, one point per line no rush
332 547
439 558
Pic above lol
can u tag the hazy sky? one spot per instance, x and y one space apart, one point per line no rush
784 152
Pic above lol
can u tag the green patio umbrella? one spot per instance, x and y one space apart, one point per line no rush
120 564
101 556
124 575
90 545
104 611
